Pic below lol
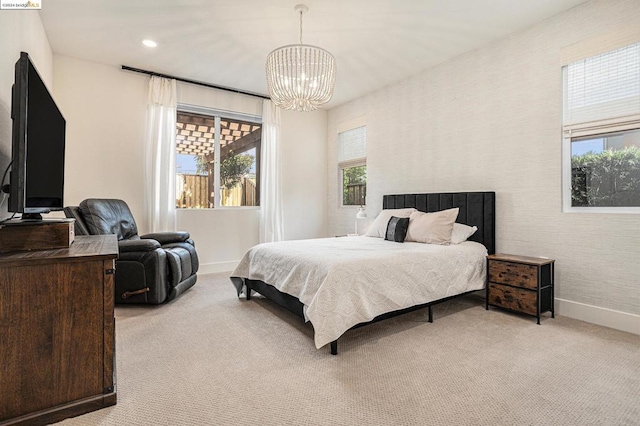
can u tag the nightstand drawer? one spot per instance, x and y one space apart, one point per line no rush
516 274
513 298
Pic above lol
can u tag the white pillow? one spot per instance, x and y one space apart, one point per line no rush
432 228
379 226
461 232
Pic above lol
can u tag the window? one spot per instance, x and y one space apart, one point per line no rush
203 138
605 171
601 128
352 166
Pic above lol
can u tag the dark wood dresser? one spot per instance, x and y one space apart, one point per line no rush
520 283
57 331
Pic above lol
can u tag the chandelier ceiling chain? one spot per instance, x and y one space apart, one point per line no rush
301 12
300 76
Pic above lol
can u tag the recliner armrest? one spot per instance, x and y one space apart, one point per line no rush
125 246
167 237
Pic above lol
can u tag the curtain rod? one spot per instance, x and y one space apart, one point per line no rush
199 83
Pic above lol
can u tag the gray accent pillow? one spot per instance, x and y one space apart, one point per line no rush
397 229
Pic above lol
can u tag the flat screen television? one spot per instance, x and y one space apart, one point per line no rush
36 183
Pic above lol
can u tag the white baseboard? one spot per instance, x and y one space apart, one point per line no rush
601 316
212 268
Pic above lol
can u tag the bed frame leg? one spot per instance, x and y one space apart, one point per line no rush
334 347
248 293
430 314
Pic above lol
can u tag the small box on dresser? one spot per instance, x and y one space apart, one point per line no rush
520 284
18 235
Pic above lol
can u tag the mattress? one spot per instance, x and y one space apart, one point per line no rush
350 280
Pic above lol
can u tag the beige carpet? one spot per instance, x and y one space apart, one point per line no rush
209 358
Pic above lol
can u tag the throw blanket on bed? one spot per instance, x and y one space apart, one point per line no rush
346 281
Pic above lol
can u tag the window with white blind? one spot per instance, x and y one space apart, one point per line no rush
601 131
352 165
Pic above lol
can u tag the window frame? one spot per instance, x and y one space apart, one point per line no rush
218 114
566 180
347 165
604 124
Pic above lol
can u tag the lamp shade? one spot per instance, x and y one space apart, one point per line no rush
300 76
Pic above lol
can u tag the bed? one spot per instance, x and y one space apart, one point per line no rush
342 283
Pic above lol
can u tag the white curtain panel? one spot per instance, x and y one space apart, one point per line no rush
160 164
271 190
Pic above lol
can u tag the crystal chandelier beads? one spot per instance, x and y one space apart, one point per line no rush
300 76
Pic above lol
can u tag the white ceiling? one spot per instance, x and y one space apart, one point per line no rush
226 42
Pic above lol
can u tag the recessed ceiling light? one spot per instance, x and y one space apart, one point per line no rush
149 43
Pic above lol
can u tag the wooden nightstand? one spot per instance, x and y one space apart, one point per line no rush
520 284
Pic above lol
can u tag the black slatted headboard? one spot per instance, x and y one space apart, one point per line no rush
476 209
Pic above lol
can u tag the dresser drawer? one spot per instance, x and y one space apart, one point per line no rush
513 298
516 274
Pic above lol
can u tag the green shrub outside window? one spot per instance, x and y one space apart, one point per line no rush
610 178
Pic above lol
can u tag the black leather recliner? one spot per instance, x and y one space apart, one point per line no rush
151 268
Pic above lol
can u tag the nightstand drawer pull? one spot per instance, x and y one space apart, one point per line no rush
515 274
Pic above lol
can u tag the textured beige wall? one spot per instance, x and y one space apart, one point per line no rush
105 109
490 120
303 143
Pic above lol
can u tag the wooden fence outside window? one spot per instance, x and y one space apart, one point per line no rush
354 194
196 192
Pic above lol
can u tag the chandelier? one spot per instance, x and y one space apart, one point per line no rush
300 76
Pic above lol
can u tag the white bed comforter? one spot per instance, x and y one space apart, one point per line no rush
345 281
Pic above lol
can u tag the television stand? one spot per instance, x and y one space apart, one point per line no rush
58 331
